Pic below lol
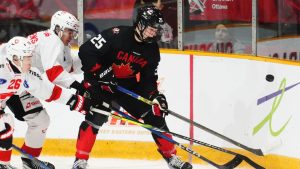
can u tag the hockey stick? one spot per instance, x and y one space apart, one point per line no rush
237 160
232 164
138 97
40 163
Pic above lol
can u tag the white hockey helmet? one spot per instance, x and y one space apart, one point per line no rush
64 20
18 47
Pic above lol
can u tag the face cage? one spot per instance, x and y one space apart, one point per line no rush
61 32
74 34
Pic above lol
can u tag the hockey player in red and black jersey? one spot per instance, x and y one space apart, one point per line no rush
127 56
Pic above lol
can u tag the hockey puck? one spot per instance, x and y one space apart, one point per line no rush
269 78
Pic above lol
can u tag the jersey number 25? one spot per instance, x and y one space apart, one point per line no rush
98 41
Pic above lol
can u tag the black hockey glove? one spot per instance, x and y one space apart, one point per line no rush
80 104
160 106
6 136
94 92
80 89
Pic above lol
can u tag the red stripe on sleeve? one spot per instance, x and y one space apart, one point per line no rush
5 155
55 94
53 72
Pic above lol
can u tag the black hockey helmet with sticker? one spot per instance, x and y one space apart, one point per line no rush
148 16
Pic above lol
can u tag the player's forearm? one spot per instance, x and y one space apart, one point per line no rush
59 76
45 90
60 95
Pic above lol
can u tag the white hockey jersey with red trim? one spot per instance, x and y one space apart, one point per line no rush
32 82
52 57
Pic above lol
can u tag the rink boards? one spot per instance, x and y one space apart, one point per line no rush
226 93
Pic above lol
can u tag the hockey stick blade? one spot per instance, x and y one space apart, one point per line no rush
41 164
231 164
138 97
252 163
236 161
239 158
252 150
175 142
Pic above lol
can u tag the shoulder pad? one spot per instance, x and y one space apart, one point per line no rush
115 30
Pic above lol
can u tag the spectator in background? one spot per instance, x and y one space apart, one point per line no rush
18 17
26 9
225 42
169 29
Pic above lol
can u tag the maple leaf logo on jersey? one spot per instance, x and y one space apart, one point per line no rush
122 71
116 30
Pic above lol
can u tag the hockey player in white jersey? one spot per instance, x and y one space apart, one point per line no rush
17 76
53 51
53 59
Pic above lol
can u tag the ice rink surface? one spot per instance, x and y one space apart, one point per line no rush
104 163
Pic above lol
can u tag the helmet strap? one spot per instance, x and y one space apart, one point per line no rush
15 68
139 32
58 31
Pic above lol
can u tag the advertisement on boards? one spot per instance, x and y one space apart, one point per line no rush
282 48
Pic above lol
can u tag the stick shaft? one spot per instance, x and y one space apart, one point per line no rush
42 165
138 97
233 163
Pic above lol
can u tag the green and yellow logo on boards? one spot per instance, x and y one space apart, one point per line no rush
278 95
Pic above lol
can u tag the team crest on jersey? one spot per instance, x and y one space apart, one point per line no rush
2 81
123 70
116 30
25 84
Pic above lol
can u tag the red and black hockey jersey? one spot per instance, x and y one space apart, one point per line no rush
134 64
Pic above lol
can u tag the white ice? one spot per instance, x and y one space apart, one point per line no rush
104 163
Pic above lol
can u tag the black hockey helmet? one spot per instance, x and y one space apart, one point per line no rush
148 16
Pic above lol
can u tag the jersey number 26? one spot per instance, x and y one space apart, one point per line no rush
14 84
